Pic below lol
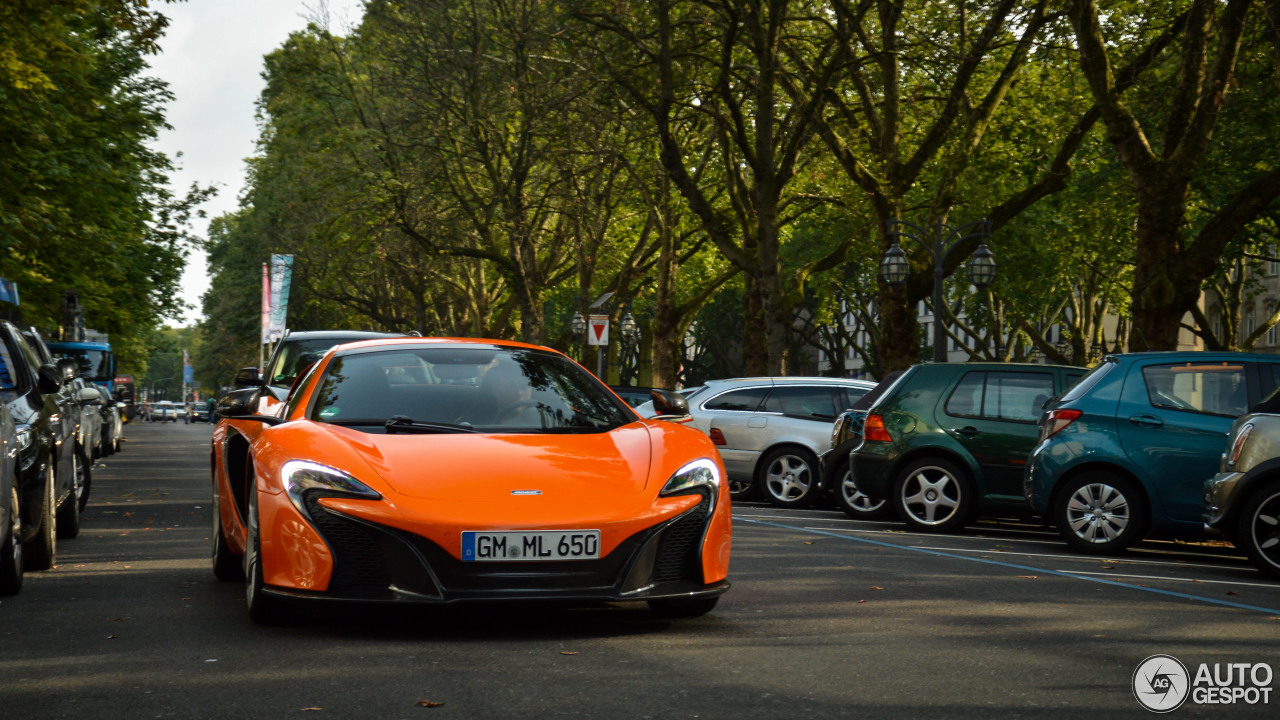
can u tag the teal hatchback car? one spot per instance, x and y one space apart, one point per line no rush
1127 451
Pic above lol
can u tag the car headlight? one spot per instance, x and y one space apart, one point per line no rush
299 476
697 476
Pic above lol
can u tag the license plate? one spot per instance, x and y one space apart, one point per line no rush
538 545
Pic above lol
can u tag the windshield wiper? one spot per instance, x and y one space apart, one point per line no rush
404 423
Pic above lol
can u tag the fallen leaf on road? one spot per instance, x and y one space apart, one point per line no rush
861 601
310 709
1108 567
876 587
1232 592
808 542
1028 577
568 652
428 703
112 636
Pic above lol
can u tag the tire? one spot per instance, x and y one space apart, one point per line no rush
1100 513
69 513
683 607
226 565
788 477
934 495
854 504
11 551
263 608
1258 529
41 551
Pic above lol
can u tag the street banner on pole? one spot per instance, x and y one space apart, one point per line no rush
281 274
598 330
266 304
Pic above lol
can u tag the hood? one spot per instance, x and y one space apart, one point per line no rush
480 468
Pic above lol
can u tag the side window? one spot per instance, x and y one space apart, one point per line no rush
1211 388
801 402
1016 396
1270 377
33 362
966 399
1071 379
8 376
747 399
851 396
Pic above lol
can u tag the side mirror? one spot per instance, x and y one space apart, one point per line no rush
669 405
68 369
238 402
90 395
247 378
48 379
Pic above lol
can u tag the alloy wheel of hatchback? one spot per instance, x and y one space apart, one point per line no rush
41 551
1100 513
853 501
1259 530
789 477
933 495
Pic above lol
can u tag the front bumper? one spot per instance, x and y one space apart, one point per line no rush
373 562
1218 492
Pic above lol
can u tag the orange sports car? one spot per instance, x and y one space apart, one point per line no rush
441 470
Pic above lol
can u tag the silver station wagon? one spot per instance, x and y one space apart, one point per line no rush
770 431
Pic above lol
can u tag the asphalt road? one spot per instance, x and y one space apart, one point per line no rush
827 618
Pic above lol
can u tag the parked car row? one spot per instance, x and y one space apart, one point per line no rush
1128 450
53 424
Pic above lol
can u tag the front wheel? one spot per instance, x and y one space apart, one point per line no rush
263 608
934 495
1258 534
1100 513
11 550
788 477
852 501
741 490
226 565
683 607
41 551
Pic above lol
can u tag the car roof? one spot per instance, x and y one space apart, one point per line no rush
457 342
787 380
344 335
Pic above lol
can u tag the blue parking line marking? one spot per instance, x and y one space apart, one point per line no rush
1028 568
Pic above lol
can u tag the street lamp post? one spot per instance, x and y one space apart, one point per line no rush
629 334
938 241
578 326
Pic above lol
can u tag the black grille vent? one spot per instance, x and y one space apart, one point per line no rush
678 554
358 565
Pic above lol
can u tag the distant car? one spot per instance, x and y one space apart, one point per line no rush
199 413
1129 448
164 411
442 470
110 421
769 430
1242 502
11 560
948 441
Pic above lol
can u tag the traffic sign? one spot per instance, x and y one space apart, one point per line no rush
598 330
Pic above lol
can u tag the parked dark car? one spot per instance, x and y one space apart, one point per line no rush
1242 502
293 353
198 412
111 414
846 435
53 469
948 441
1128 449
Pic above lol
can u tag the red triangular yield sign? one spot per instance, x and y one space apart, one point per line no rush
598 328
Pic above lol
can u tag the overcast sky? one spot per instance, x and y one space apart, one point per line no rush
212 60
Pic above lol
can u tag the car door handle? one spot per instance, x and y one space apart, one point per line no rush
1146 421
968 431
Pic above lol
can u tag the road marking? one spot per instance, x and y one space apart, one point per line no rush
1025 568
1173 579
1060 556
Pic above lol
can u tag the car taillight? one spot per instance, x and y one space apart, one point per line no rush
717 437
1056 420
1238 446
873 430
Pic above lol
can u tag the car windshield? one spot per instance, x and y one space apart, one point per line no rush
436 389
294 356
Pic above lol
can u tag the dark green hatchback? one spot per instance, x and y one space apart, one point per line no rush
949 442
